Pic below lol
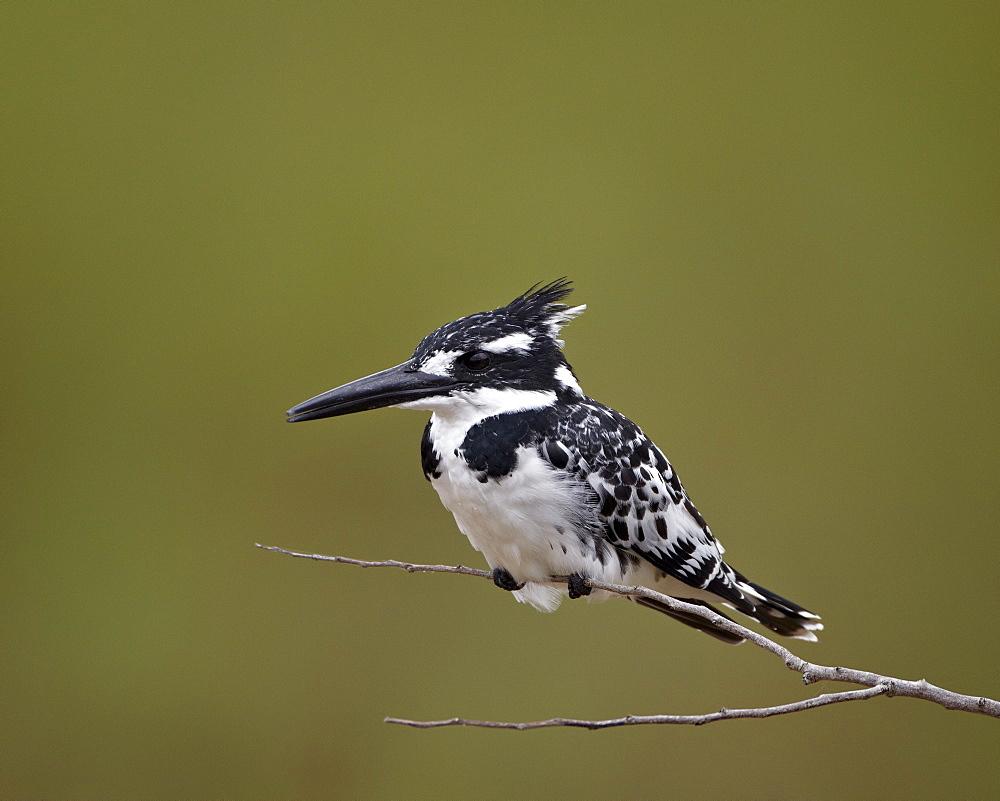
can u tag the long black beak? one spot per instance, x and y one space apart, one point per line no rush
395 385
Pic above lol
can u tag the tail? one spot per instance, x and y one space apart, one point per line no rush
779 614
694 621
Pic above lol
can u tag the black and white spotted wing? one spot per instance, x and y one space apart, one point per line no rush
639 498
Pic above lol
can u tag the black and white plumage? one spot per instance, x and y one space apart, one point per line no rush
546 482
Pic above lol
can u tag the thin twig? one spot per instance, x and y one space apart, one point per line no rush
639 720
875 683
407 566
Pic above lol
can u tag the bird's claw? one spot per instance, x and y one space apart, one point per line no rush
505 581
578 586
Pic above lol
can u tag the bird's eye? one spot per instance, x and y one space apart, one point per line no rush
477 360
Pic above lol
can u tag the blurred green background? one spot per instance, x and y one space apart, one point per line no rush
784 218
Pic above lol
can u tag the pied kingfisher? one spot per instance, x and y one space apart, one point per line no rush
551 486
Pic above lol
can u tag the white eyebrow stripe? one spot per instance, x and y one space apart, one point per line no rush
517 341
441 363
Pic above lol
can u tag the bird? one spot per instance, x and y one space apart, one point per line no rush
551 486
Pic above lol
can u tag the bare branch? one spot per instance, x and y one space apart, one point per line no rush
407 566
875 683
639 720
811 672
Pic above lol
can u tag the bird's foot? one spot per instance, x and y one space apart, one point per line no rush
505 581
578 586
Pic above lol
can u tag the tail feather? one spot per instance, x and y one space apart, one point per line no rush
779 614
694 621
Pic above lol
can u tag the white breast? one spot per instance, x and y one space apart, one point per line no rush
530 522
512 520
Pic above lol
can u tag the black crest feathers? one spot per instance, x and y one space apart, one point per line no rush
542 306
537 312
538 301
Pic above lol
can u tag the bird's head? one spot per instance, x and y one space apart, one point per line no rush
502 360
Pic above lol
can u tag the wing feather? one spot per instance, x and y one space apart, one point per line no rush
638 500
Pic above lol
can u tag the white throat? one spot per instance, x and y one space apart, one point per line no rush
455 414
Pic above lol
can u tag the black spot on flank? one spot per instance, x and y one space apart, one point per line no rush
675 483
640 494
623 493
623 510
654 489
563 548
661 527
628 476
620 528
429 458
644 473
482 478
640 535
637 457
640 511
